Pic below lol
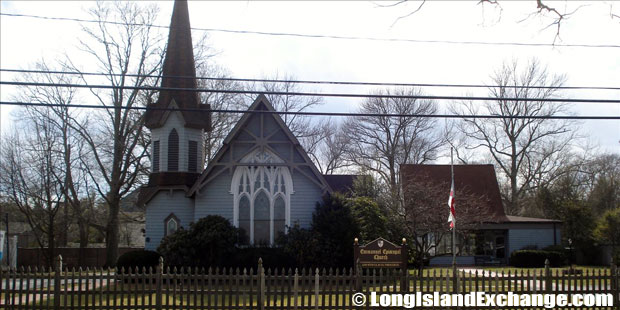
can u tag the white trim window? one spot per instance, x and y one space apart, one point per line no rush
262 197
171 224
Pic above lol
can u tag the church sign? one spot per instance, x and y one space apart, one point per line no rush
381 253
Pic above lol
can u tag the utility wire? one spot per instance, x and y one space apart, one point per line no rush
473 116
306 81
284 93
321 36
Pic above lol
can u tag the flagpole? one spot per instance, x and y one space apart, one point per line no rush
454 220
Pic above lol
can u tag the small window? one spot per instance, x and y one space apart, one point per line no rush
173 151
171 224
192 156
156 156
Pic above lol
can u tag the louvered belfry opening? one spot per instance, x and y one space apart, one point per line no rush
173 151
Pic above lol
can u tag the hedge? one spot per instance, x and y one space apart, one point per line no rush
138 259
536 258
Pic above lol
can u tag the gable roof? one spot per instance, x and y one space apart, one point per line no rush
342 183
179 71
478 180
260 104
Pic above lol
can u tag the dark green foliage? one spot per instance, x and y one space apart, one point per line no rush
371 221
607 231
335 228
536 258
208 242
566 255
138 259
329 241
301 245
272 258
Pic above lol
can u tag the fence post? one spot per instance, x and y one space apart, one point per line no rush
58 265
261 284
295 289
316 288
455 281
158 294
547 276
614 282
358 275
404 281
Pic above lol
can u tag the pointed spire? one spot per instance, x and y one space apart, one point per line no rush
179 61
179 71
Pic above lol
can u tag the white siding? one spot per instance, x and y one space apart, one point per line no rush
215 198
159 208
540 237
175 120
303 200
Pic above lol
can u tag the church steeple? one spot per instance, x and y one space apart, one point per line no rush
179 71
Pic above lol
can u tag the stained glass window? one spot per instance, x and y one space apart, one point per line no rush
261 219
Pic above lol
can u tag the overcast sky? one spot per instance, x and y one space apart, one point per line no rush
26 40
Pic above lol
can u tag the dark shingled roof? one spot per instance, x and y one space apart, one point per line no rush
342 183
179 71
478 180
165 180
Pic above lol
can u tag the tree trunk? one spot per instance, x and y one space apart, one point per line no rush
112 234
83 228
51 242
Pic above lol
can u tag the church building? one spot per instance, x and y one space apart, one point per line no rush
261 179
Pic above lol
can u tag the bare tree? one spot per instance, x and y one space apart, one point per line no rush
422 218
70 173
221 123
381 144
555 14
31 178
126 52
526 150
330 147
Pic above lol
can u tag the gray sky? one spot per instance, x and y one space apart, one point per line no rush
25 40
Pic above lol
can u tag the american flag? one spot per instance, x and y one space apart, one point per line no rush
452 217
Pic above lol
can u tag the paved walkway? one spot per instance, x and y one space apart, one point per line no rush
41 285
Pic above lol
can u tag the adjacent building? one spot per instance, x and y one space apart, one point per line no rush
497 234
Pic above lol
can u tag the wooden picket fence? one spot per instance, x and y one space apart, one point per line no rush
263 288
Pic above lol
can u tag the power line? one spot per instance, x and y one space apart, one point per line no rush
322 36
307 81
283 93
339 114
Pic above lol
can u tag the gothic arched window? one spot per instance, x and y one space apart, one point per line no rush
244 217
171 224
262 194
173 151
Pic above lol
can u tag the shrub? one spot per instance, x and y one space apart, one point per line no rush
272 258
208 242
335 227
535 258
329 241
138 259
300 245
371 221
